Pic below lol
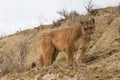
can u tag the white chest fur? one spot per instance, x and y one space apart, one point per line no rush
81 43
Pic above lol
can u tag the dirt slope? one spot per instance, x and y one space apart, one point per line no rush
18 52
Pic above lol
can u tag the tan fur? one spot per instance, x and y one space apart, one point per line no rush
68 40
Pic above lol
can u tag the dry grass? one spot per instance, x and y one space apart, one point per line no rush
23 50
100 60
12 60
9 62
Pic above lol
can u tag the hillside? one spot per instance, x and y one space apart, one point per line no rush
19 53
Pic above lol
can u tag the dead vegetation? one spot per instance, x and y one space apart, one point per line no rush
12 61
63 13
102 58
9 62
23 51
90 8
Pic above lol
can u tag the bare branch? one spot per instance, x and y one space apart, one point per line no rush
90 5
62 12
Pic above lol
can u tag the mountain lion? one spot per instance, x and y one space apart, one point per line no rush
68 40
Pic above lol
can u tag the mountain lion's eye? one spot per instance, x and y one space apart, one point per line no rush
85 28
91 27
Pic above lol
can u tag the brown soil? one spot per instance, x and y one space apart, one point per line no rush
19 53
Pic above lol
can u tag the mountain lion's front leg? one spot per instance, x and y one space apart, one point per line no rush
79 61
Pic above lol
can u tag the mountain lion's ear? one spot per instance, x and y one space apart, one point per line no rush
92 20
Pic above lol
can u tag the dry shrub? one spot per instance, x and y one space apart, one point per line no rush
12 61
23 51
63 13
56 23
9 62
90 8
74 17
37 28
